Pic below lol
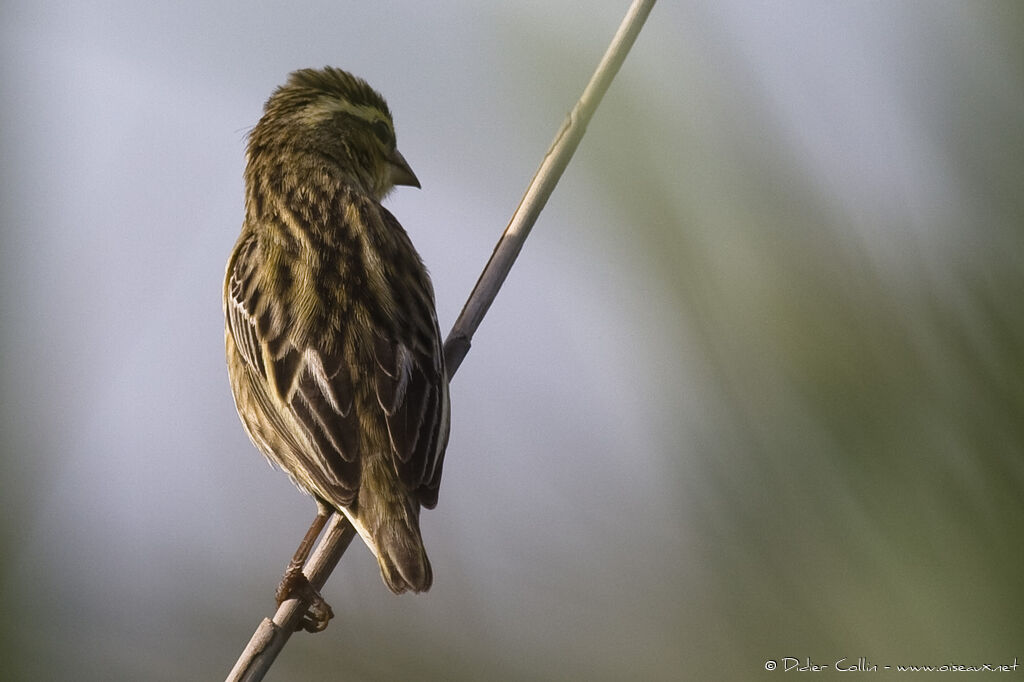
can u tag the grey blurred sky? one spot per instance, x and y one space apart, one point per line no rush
752 391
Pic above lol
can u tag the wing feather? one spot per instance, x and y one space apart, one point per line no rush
294 386
412 388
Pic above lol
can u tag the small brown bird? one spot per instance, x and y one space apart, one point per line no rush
333 348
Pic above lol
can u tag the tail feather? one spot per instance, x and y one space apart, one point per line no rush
396 541
403 560
387 517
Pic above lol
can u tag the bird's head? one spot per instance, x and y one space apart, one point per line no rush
336 117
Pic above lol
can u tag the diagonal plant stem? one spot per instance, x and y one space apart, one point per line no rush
272 634
544 180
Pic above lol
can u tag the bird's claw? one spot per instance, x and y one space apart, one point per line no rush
295 585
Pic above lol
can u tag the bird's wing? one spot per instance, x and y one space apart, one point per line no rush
294 386
409 379
412 393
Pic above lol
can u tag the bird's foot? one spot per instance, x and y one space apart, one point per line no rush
295 584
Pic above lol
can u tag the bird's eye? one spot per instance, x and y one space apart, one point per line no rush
383 132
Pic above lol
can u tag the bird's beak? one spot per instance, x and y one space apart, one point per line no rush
401 174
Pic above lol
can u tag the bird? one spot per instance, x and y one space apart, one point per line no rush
334 354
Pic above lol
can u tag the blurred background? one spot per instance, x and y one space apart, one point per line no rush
753 390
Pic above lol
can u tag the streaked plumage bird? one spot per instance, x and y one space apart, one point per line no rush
333 348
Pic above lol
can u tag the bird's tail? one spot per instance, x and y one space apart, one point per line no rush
390 527
403 560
